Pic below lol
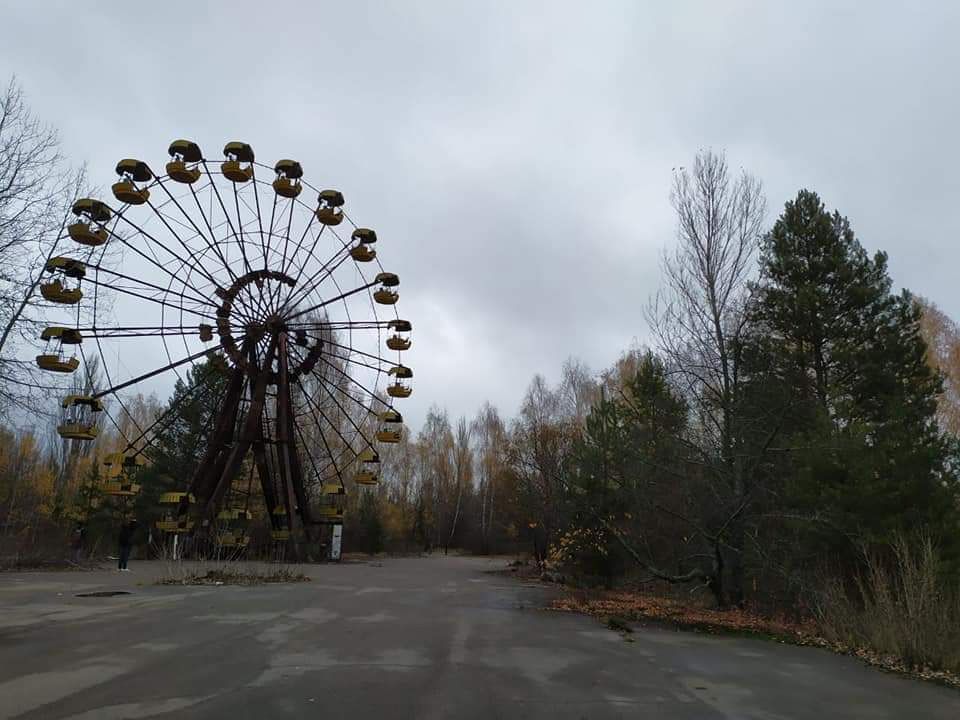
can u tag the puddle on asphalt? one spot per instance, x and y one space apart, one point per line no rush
104 593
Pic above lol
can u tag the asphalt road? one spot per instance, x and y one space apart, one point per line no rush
413 638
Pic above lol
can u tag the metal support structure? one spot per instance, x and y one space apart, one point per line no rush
228 291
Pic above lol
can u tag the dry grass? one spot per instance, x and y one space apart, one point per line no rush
900 606
230 573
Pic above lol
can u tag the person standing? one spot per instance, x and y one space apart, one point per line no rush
127 530
76 542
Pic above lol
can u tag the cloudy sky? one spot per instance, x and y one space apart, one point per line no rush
515 157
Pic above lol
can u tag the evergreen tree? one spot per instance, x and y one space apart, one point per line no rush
626 482
866 452
182 440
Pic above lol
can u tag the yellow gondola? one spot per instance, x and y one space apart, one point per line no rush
369 455
175 498
398 341
398 389
87 230
330 514
369 473
287 183
55 292
281 530
235 515
333 489
362 252
81 422
390 416
388 436
131 172
68 266
123 464
67 336
366 477
181 525
183 152
238 167
233 540
57 361
385 295
328 207
122 489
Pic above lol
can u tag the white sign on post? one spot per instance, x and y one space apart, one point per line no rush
335 543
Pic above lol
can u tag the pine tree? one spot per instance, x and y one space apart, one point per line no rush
868 452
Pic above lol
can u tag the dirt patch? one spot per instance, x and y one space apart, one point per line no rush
233 576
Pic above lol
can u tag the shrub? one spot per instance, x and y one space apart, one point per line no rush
903 603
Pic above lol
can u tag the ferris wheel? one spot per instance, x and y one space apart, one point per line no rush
262 296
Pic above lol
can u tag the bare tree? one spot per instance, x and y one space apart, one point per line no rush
699 318
462 471
540 441
491 459
578 389
37 187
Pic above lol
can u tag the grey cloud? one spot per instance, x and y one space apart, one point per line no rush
515 158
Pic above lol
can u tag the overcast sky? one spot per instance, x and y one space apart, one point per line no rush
515 157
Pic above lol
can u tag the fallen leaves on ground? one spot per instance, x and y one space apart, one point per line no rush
615 606
637 606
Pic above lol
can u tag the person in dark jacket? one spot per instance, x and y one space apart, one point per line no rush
127 530
77 542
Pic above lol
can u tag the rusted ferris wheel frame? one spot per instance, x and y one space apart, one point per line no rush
287 367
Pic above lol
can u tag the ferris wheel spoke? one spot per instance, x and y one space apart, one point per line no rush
119 400
115 333
125 291
239 230
198 299
122 216
213 243
277 291
226 215
169 416
332 300
352 350
312 403
286 239
356 382
302 293
256 200
352 361
334 457
284 268
153 373
342 325
196 263
306 450
366 410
